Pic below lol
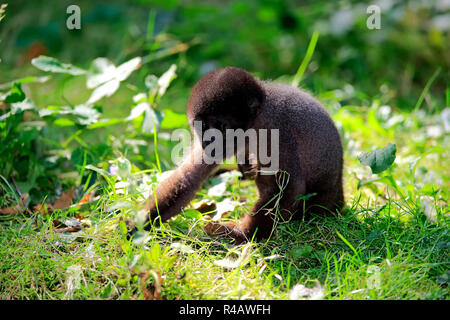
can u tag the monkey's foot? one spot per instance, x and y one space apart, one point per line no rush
226 229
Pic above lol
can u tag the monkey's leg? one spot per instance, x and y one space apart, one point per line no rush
263 215
326 202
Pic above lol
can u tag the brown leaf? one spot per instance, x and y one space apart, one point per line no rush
89 197
214 229
67 229
223 207
204 206
18 208
64 201
12 210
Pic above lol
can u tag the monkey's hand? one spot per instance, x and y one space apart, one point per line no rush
226 229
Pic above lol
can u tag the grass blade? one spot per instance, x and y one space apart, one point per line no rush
309 52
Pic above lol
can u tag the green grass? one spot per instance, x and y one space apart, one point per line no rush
384 247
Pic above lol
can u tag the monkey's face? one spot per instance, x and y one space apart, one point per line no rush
211 128
224 99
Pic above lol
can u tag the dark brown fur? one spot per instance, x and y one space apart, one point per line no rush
310 152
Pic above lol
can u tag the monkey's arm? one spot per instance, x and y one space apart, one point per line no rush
174 193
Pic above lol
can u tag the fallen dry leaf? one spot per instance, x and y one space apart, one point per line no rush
204 206
64 201
12 210
18 208
224 207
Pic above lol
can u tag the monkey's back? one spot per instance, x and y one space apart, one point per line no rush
309 140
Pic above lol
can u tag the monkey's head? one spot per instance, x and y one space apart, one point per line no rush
227 98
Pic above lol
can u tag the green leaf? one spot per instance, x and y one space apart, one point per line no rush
380 159
104 90
103 71
173 120
7 85
125 69
104 123
139 109
86 115
192 214
50 64
165 80
80 157
18 108
151 117
98 170
63 122
15 94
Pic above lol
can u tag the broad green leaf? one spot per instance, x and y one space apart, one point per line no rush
51 110
98 170
19 107
86 115
80 157
172 120
50 64
125 69
63 122
7 85
380 159
14 95
101 71
104 90
165 80
152 119
104 123
139 109
192 214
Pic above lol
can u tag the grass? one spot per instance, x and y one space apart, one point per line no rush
392 243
